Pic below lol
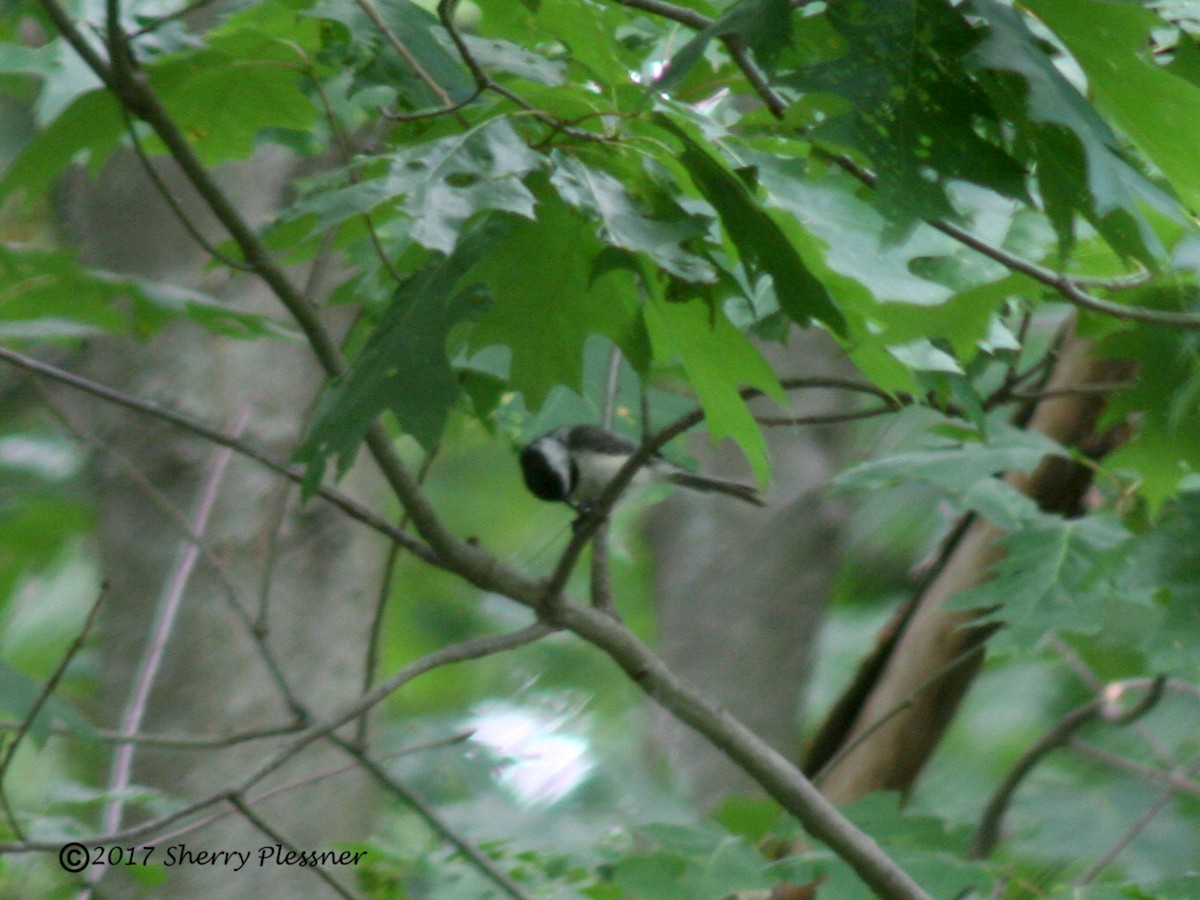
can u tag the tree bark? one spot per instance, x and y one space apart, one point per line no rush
894 715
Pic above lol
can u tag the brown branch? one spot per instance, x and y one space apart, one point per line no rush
174 741
485 82
375 634
987 833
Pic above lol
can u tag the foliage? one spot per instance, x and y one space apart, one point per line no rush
939 186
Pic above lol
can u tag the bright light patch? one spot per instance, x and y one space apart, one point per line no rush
48 458
539 765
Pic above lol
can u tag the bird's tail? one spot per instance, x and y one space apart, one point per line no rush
709 484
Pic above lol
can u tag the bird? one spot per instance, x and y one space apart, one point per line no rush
574 464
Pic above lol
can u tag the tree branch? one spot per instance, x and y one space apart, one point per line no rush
43 696
475 648
346 504
261 824
987 833
434 820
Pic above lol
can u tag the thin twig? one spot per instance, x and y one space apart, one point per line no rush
474 648
434 820
987 833
484 82
174 741
600 583
43 697
160 500
830 764
273 835
347 151
1151 773
394 116
1132 831
828 418
162 626
168 197
1088 676
155 24
398 45
348 505
375 633
289 786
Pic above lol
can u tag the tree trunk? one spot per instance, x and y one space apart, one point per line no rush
308 574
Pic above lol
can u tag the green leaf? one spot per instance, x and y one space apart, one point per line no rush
1080 169
1159 568
546 301
719 361
965 470
438 186
19 693
48 295
223 104
378 63
88 131
583 30
625 224
244 83
1158 110
1047 580
761 242
403 367
916 113
764 25
514 59
1163 405
690 861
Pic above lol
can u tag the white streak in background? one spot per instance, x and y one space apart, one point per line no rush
536 763
47 457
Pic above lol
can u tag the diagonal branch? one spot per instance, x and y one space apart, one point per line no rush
1068 288
349 506
47 690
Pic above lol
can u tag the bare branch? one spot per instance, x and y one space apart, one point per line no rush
1181 783
475 648
375 635
830 764
987 833
261 824
148 407
162 626
253 629
38 704
1132 831
174 741
777 775
434 820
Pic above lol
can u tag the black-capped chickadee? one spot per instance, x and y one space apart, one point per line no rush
573 465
